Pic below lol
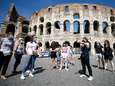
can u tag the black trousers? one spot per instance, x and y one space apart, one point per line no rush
86 62
4 61
18 58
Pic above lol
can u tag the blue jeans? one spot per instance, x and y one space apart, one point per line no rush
58 57
31 62
26 63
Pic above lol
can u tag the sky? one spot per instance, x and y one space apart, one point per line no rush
27 7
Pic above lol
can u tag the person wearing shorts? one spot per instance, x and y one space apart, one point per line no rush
98 50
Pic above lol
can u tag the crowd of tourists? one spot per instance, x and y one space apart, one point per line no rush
61 55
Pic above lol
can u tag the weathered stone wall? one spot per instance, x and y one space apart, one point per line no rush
61 13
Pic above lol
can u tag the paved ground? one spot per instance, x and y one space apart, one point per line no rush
44 76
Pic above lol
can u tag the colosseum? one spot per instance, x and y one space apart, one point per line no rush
71 22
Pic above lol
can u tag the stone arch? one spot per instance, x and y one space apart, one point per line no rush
41 19
40 44
76 16
67 25
30 29
57 24
76 44
76 26
112 18
95 25
105 27
86 25
113 29
25 29
26 39
54 44
10 28
35 28
47 45
48 26
67 42
41 29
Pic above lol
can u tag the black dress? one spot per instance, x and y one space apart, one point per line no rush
108 53
53 53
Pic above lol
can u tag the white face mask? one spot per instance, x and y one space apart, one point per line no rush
10 36
97 43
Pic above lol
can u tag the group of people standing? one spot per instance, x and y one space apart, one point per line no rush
10 47
104 54
65 57
61 56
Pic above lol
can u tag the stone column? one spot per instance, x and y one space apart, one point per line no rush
44 29
43 44
61 28
71 27
91 28
81 29
100 29
109 30
52 29
81 21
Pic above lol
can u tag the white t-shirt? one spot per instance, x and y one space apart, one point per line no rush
6 46
30 47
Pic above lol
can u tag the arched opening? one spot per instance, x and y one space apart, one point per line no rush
76 26
47 45
41 29
35 28
86 26
76 46
67 26
96 25
76 16
25 29
113 29
11 29
104 26
57 25
54 44
30 29
26 39
39 44
48 26
41 19
66 42
112 18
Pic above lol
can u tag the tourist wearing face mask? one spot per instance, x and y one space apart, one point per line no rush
85 60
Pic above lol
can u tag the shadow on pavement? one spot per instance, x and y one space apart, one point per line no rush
95 66
14 74
81 72
37 70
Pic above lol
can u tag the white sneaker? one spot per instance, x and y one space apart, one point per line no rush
22 77
82 75
60 68
28 71
33 70
66 69
31 75
90 78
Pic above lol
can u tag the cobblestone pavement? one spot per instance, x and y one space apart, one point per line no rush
45 76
